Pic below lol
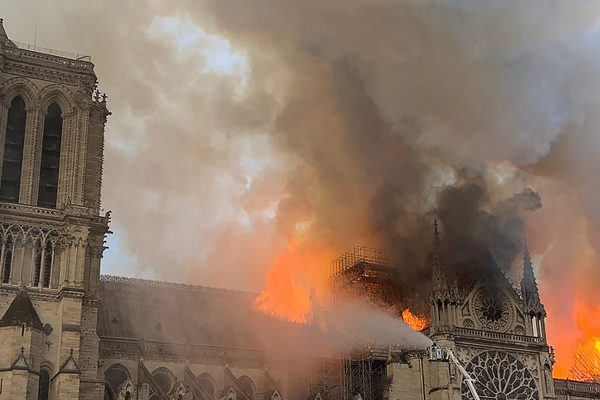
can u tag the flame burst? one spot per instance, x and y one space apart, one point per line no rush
415 322
297 279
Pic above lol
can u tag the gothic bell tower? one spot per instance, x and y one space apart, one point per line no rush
51 231
496 330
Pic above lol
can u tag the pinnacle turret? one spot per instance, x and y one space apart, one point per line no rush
529 289
441 288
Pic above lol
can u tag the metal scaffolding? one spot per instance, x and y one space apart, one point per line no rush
359 255
363 271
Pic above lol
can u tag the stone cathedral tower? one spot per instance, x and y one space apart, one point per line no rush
51 230
499 334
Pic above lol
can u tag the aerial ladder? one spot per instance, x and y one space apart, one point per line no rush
437 353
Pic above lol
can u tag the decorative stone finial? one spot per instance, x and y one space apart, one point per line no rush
436 235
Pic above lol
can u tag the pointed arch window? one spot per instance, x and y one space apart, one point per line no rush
13 151
38 263
8 258
43 264
48 188
47 264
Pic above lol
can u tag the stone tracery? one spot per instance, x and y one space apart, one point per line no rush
493 312
500 376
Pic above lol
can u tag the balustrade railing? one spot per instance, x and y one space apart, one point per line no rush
577 388
476 333
27 50
512 337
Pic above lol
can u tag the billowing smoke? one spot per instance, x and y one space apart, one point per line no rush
328 125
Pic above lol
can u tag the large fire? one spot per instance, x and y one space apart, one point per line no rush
294 283
578 358
584 363
415 322
297 283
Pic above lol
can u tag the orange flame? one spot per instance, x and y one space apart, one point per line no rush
579 357
295 281
415 322
586 362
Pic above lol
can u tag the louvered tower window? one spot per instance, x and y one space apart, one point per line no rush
50 157
13 151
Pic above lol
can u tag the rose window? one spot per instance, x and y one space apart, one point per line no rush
499 376
493 310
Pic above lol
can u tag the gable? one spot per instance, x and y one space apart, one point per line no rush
493 304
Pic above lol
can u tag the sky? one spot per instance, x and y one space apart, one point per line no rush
243 132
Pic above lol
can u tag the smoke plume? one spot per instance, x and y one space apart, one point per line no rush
241 128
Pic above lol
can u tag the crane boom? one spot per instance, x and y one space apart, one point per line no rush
437 353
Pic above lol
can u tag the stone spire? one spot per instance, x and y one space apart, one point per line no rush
439 283
441 288
529 289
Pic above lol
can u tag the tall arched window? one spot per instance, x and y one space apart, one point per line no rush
13 151
47 264
43 264
8 258
50 157
44 385
38 263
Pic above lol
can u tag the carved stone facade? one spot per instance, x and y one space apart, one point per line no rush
50 255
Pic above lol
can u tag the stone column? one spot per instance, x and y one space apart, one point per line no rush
32 148
2 252
66 164
3 121
81 155
80 262
63 250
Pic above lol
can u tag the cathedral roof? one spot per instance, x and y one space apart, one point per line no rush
176 313
22 311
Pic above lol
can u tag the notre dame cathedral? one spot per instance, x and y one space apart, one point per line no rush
68 333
